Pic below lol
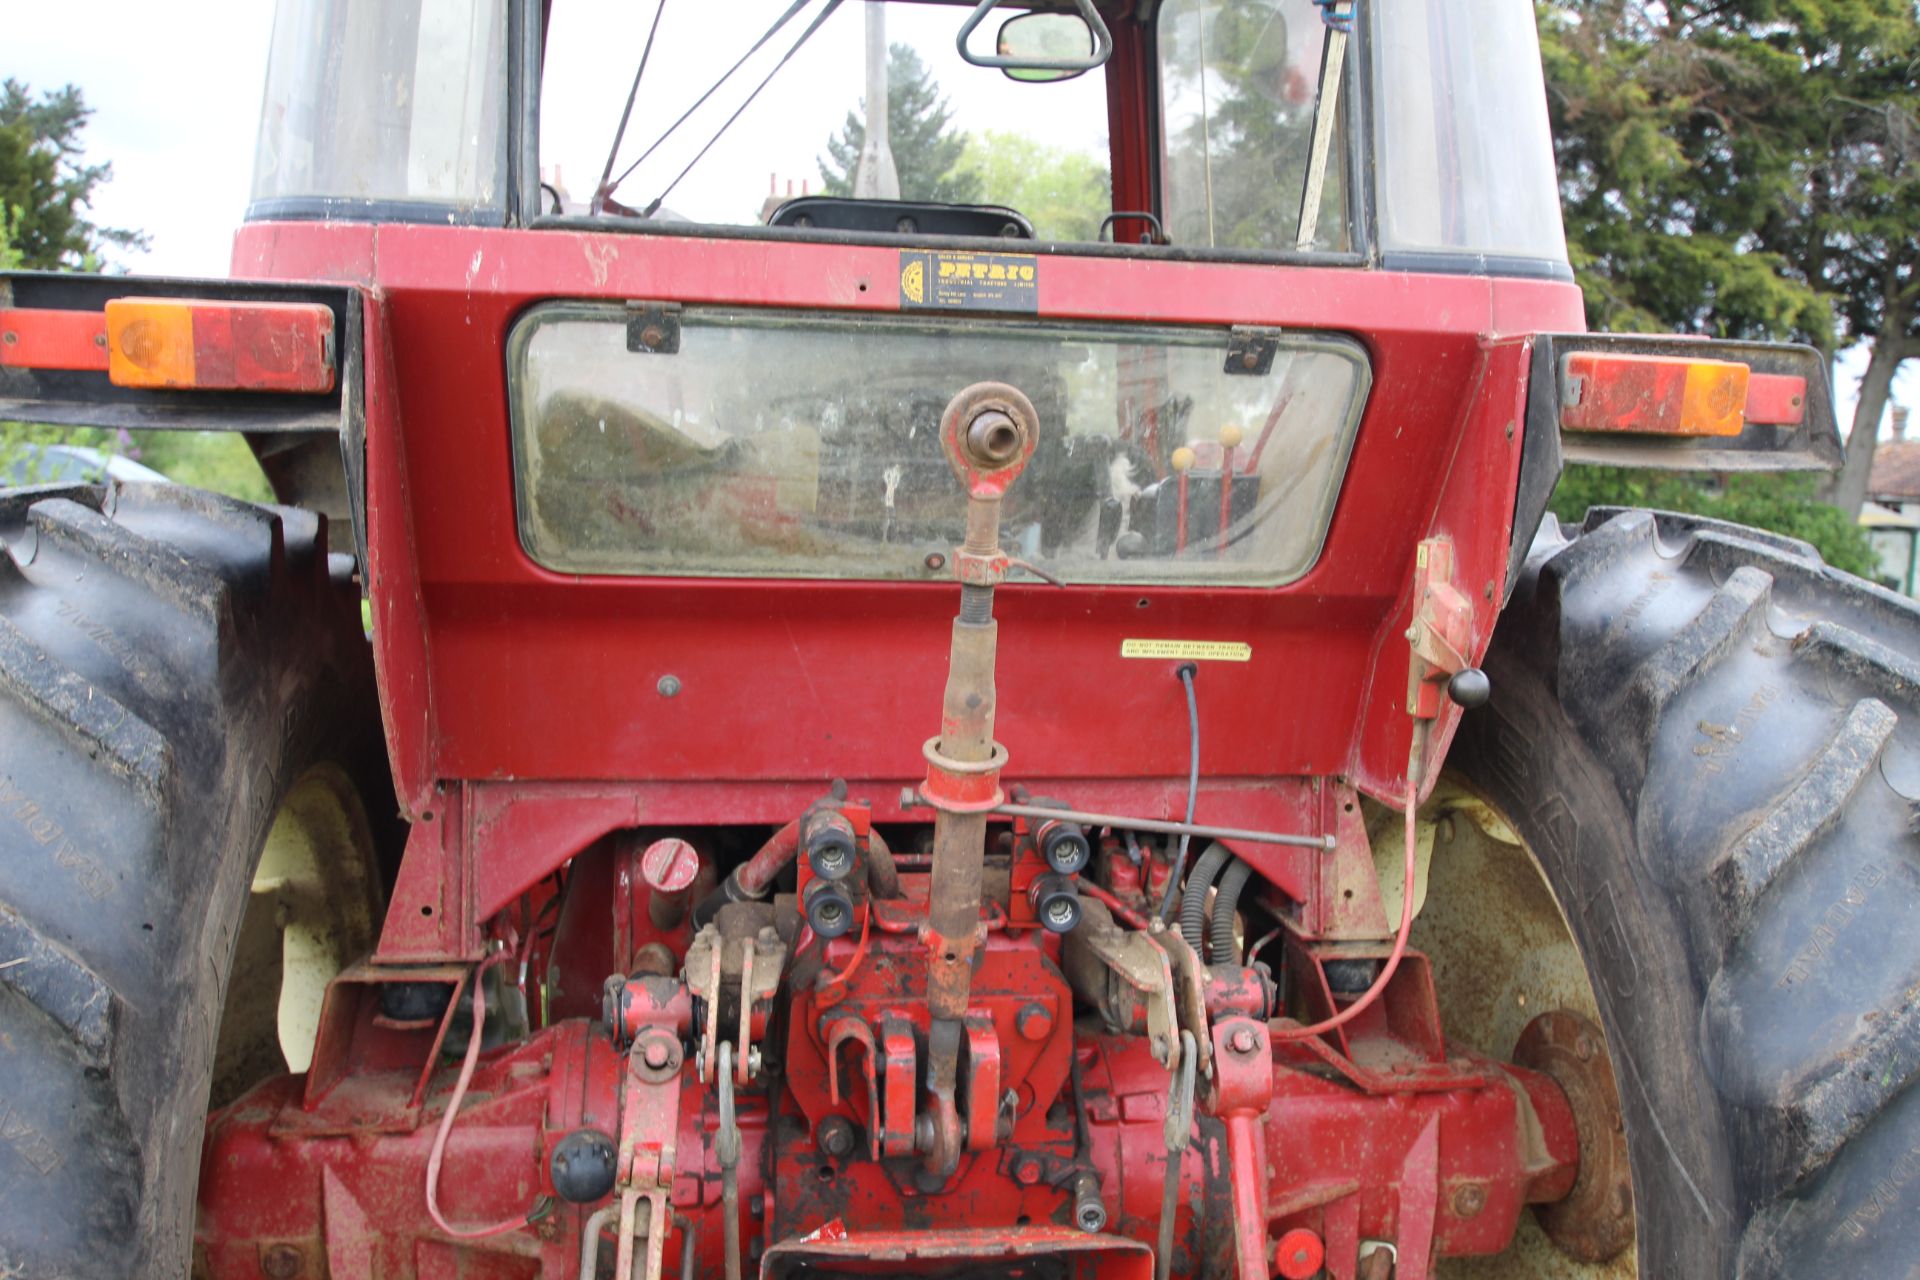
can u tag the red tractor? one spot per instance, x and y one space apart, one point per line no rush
1309 869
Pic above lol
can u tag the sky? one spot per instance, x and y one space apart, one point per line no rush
181 143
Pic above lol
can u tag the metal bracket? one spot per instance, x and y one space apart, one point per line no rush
649 1133
983 1083
845 1027
900 1081
1441 633
1189 993
1141 963
653 328
1250 351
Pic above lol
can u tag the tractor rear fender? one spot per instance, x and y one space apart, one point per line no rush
1667 403
311 443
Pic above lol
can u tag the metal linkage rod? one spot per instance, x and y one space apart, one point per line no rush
1159 826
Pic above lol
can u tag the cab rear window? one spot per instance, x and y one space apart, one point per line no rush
788 445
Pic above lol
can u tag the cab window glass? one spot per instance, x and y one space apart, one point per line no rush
1238 88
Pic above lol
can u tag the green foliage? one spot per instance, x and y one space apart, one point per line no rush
216 460
1783 503
1064 193
45 189
926 151
20 444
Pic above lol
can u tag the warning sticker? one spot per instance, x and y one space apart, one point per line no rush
935 280
1193 650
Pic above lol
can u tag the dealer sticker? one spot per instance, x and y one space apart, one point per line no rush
936 280
1191 650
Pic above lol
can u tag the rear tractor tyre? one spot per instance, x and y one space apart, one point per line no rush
179 675
1710 742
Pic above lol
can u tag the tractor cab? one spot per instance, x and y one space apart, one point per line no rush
1405 134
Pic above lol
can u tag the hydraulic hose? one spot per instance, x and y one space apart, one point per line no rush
1193 900
1226 904
883 876
750 880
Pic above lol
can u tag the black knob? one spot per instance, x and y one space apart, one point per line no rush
1470 688
583 1166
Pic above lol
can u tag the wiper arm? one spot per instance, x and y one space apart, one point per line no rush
828 12
607 188
1326 106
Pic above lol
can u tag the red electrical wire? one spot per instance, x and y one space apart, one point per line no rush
453 1110
1354 1010
859 952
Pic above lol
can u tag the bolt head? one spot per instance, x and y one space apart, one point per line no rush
1583 1047
656 1053
1242 1040
835 1137
1033 1022
1469 1200
668 686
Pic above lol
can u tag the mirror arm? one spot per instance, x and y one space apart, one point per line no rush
1102 44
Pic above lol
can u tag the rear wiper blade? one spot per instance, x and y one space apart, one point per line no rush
1326 106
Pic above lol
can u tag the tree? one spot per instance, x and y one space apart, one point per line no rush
45 189
1744 168
1065 194
926 151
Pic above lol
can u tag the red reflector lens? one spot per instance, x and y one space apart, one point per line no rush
220 346
1654 395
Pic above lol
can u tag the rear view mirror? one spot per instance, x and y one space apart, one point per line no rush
1040 38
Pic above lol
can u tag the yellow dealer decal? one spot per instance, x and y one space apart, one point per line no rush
1191 650
937 280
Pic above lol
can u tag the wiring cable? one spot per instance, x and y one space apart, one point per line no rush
439 1152
1293 1031
1186 671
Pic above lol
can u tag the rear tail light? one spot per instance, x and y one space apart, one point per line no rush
1673 395
180 343
220 346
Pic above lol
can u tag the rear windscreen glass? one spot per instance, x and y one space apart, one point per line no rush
807 445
